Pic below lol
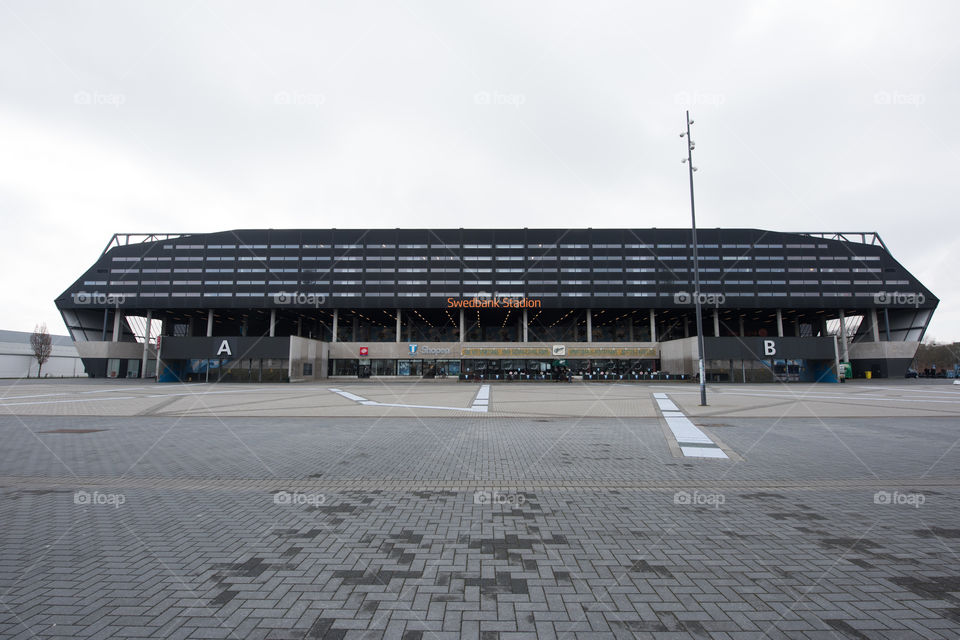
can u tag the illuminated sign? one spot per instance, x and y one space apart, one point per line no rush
505 352
611 352
501 302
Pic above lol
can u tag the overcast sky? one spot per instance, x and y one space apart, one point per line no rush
205 116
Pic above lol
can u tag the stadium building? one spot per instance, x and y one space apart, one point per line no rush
291 305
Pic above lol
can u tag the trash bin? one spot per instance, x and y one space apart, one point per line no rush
868 374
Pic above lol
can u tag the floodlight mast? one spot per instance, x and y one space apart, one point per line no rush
696 263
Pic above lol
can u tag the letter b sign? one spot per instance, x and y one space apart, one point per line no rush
769 348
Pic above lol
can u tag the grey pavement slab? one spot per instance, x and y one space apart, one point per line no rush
478 526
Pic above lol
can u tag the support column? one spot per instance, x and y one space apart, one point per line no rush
117 319
299 327
630 329
779 323
716 323
796 327
336 324
356 328
686 326
103 334
653 325
526 325
190 327
398 325
273 322
742 331
823 327
874 325
844 347
146 345
209 322
462 327
886 322
589 325
836 356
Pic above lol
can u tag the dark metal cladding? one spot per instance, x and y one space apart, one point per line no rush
421 268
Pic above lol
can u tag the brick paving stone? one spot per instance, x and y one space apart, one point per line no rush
400 545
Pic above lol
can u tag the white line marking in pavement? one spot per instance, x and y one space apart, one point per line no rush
482 401
350 396
702 452
476 408
666 405
693 442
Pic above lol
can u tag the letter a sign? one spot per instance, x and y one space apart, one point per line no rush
769 348
224 349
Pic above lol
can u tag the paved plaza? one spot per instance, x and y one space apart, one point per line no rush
439 510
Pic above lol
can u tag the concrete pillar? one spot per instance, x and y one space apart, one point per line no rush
520 327
299 327
630 329
146 344
742 331
836 356
874 325
117 319
462 327
844 347
653 325
190 327
779 323
355 329
716 322
244 326
589 325
823 327
398 324
209 322
526 326
686 326
886 322
273 322
103 333
796 327
336 324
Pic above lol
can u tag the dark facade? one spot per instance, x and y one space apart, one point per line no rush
499 286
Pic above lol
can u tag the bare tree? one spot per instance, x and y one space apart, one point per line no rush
42 345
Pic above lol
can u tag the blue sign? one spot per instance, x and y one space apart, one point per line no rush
413 349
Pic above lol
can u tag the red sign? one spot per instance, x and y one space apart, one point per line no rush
364 351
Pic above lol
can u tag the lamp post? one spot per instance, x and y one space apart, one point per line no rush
696 263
